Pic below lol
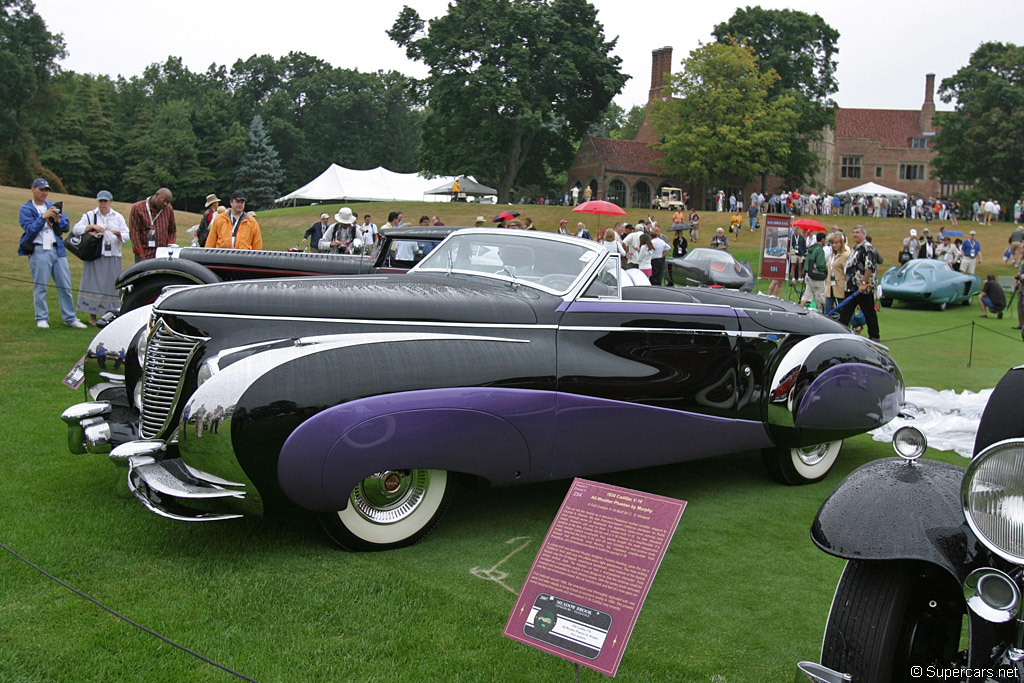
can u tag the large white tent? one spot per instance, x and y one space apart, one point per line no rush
871 189
379 184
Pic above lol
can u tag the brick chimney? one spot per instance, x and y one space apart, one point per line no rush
661 68
928 108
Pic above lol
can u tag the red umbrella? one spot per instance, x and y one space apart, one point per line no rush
809 224
601 208
505 216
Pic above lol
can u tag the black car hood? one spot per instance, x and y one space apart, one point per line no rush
373 297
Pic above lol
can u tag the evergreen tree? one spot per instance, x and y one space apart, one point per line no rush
259 175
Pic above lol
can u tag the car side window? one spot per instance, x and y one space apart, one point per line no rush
605 283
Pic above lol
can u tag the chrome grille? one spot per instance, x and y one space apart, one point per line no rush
167 356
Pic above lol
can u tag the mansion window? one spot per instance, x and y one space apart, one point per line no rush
878 171
850 167
912 172
919 143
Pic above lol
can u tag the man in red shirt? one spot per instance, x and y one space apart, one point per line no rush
151 224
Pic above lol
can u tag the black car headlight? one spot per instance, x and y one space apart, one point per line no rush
992 496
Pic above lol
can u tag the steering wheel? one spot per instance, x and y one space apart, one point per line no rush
557 281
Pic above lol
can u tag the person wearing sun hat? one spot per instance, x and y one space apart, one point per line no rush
209 214
337 237
236 228
479 222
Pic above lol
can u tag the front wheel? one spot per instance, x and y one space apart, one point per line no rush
889 619
803 465
885 301
942 306
390 509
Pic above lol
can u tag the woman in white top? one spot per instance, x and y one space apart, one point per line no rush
97 294
612 244
644 254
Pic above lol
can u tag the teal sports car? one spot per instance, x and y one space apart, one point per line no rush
928 281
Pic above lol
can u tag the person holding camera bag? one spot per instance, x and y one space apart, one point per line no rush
42 222
97 294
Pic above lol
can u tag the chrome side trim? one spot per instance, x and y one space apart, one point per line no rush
396 323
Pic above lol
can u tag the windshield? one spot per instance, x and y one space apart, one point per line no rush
713 255
552 265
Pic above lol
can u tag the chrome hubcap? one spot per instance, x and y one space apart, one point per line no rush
812 455
390 496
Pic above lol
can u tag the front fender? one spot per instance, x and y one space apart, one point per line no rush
483 431
894 510
106 357
189 271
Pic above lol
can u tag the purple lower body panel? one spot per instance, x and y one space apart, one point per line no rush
852 396
506 436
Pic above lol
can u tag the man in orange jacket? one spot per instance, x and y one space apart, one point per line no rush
235 229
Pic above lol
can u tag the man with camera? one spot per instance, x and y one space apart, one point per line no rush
42 223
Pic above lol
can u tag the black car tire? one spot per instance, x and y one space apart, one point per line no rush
147 289
885 301
799 466
889 618
968 301
941 306
377 518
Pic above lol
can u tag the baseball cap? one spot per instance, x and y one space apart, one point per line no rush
104 195
974 232
41 183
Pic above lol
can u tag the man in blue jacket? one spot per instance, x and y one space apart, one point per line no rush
43 223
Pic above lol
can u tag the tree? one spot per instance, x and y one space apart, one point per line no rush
982 141
723 123
512 83
630 123
259 176
800 48
28 62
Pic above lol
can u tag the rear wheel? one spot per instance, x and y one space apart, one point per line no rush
390 509
891 618
885 301
804 465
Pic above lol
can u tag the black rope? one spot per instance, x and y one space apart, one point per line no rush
928 334
124 618
50 285
1001 334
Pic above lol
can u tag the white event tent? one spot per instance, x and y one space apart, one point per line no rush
871 189
379 184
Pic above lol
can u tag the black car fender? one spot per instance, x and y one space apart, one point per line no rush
372 382
893 509
830 386
189 272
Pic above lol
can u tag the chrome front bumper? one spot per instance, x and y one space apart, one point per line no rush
172 489
88 427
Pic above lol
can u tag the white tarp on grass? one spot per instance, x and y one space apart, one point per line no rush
375 185
871 189
948 420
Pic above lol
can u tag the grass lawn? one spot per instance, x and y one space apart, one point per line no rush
741 596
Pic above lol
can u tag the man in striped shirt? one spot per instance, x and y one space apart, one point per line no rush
151 224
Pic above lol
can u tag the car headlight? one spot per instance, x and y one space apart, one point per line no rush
206 371
992 496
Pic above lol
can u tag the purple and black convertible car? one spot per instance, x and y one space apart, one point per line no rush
506 356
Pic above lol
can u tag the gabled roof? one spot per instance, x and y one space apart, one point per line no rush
626 156
890 127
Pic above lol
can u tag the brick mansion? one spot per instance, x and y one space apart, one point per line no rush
891 147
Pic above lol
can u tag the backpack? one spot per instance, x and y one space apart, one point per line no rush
204 228
816 268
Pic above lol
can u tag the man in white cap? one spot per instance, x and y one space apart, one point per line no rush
42 223
970 253
336 239
911 245
316 233
209 213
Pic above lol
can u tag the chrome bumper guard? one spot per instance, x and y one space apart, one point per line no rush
88 429
169 488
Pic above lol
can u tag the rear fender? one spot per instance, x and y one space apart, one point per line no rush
481 431
190 272
892 509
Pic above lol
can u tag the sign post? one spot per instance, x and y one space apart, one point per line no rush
592 573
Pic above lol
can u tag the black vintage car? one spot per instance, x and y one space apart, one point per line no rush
507 356
710 267
935 558
397 250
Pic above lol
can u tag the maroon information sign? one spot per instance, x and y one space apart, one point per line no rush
592 573
775 247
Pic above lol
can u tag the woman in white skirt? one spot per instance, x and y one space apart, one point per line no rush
97 294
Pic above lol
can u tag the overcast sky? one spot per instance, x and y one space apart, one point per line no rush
885 47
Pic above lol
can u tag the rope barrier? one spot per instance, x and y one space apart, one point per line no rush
126 619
